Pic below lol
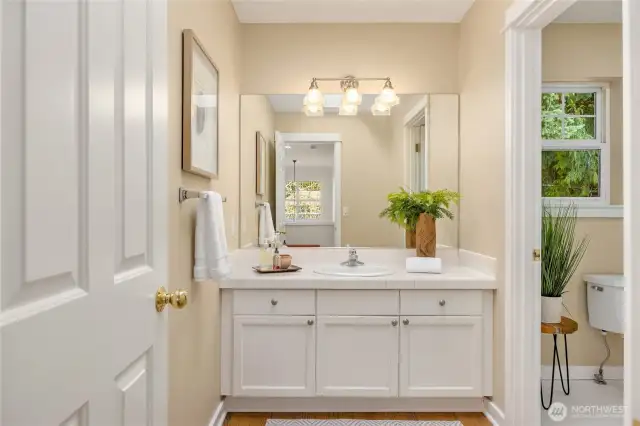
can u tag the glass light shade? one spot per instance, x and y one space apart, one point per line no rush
388 96
314 97
379 108
313 110
352 97
348 109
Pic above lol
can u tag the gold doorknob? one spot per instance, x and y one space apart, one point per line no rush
178 299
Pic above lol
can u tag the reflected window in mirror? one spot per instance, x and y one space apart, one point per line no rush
303 200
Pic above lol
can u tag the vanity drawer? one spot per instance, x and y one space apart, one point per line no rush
441 302
358 302
274 302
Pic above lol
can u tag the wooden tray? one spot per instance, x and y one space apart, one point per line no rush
270 270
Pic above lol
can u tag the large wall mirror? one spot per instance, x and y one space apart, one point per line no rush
327 177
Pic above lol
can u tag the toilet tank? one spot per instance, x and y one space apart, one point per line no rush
606 302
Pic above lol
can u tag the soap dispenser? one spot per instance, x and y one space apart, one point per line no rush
265 259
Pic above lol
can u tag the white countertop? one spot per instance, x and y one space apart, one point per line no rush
456 274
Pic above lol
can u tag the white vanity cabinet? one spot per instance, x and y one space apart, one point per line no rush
441 356
274 355
357 356
357 343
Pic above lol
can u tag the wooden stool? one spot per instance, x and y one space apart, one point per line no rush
564 327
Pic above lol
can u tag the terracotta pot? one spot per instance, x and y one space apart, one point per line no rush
426 236
410 239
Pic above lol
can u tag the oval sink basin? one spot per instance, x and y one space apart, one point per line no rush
353 271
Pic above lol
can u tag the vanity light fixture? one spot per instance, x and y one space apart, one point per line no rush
388 95
351 99
314 95
350 88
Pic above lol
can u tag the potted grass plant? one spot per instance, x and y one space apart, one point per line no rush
417 213
561 255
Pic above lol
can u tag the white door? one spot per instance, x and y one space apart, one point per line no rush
274 355
83 216
441 356
357 356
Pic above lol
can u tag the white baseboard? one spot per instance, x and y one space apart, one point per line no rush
585 372
493 413
218 415
352 405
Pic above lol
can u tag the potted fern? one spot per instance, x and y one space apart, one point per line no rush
561 255
417 212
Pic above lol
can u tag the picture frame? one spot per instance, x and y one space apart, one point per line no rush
200 109
261 164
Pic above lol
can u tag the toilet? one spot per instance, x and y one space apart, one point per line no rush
606 302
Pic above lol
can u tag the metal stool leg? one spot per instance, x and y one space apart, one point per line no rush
567 389
553 374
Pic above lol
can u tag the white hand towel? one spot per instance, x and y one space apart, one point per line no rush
430 265
211 253
266 230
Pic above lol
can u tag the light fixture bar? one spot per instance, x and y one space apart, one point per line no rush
349 78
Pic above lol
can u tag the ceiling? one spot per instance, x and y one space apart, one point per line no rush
593 12
349 11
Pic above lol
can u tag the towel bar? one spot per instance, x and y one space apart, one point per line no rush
187 194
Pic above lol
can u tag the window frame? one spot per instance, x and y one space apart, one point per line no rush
600 142
297 201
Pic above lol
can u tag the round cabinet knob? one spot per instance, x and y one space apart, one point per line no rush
394 323
274 302
443 302
178 299
405 321
310 322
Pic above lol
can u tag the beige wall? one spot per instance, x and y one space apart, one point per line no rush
372 166
481 82
194 341
596 51
256 115
420 58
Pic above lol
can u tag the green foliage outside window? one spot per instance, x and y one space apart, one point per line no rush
570 173
302 200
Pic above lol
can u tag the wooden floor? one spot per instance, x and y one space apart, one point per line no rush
260 419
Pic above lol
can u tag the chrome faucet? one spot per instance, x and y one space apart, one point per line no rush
353 259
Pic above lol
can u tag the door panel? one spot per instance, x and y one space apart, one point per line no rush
357 356
83 167
441 356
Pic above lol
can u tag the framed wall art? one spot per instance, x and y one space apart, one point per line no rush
200 100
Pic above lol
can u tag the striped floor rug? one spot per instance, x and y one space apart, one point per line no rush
346 422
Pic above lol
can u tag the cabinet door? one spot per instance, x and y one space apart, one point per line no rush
274 355
441 356
357 356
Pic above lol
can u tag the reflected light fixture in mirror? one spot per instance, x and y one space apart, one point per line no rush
348 109
313 110
379 108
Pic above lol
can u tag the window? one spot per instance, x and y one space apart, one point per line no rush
302 200
575 154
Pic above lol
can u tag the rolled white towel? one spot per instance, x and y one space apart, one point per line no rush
428 265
